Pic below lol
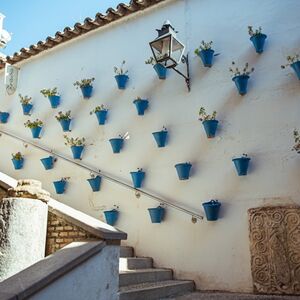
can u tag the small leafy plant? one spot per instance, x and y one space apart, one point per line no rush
150 61
49 92
244 155
33 124
25 99
254 32
74 141
17 156
84 82
203 46
297 141
121 70
63 116
237 72
290 60
98 108
203 116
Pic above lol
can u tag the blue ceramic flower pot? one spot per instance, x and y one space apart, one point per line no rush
48 162
241 165
183 170
54 100
160 138
27 108
207 57
18 163
111 216
160 70
296 68
60 186
210 127
116 144
87 91
4 117
95 183
156 214
121 81
241 82
77 151
65 124
137 178
212 209
36 131
141 105
258 41
101 116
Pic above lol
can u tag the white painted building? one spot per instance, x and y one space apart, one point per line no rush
214 254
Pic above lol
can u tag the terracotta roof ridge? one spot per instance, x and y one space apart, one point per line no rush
68 33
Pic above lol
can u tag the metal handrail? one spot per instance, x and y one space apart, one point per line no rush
194 216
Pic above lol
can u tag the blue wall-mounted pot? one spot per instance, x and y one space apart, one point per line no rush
48 162
207 57
241 165
36 131
65 124
4 117
258 41
54 100
210 127
160 138
160 70
156 214
212 209
27 108
18 163
241 82
183 170
95 183
116 144
111 216
137 178
87 91
77 151
60 186
101 116
141 105
121 81
296 68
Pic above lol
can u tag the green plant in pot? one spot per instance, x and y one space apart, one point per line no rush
86 86
293 61
52 95
77 145
18 160
209 122
35 126
240 77
26 104
64 119
121 76
101 113
257 38
159 68
206 53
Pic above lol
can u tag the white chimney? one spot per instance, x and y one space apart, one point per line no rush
5 37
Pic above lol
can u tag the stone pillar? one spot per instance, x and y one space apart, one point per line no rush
23 227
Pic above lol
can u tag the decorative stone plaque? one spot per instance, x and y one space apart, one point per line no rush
275 249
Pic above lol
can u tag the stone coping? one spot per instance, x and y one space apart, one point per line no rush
36 277
86 222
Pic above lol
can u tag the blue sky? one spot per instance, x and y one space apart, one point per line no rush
32 20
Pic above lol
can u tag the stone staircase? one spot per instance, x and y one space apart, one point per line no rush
139 280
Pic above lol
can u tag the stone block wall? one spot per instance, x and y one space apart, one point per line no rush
3 193
60 233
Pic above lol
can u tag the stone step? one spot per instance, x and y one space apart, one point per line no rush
155 290
130 277
126 251
134 263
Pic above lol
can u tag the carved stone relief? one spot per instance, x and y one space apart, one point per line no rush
275 249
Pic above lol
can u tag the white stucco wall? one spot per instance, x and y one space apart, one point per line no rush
96 278
215 255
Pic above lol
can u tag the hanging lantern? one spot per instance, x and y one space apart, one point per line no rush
168 50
